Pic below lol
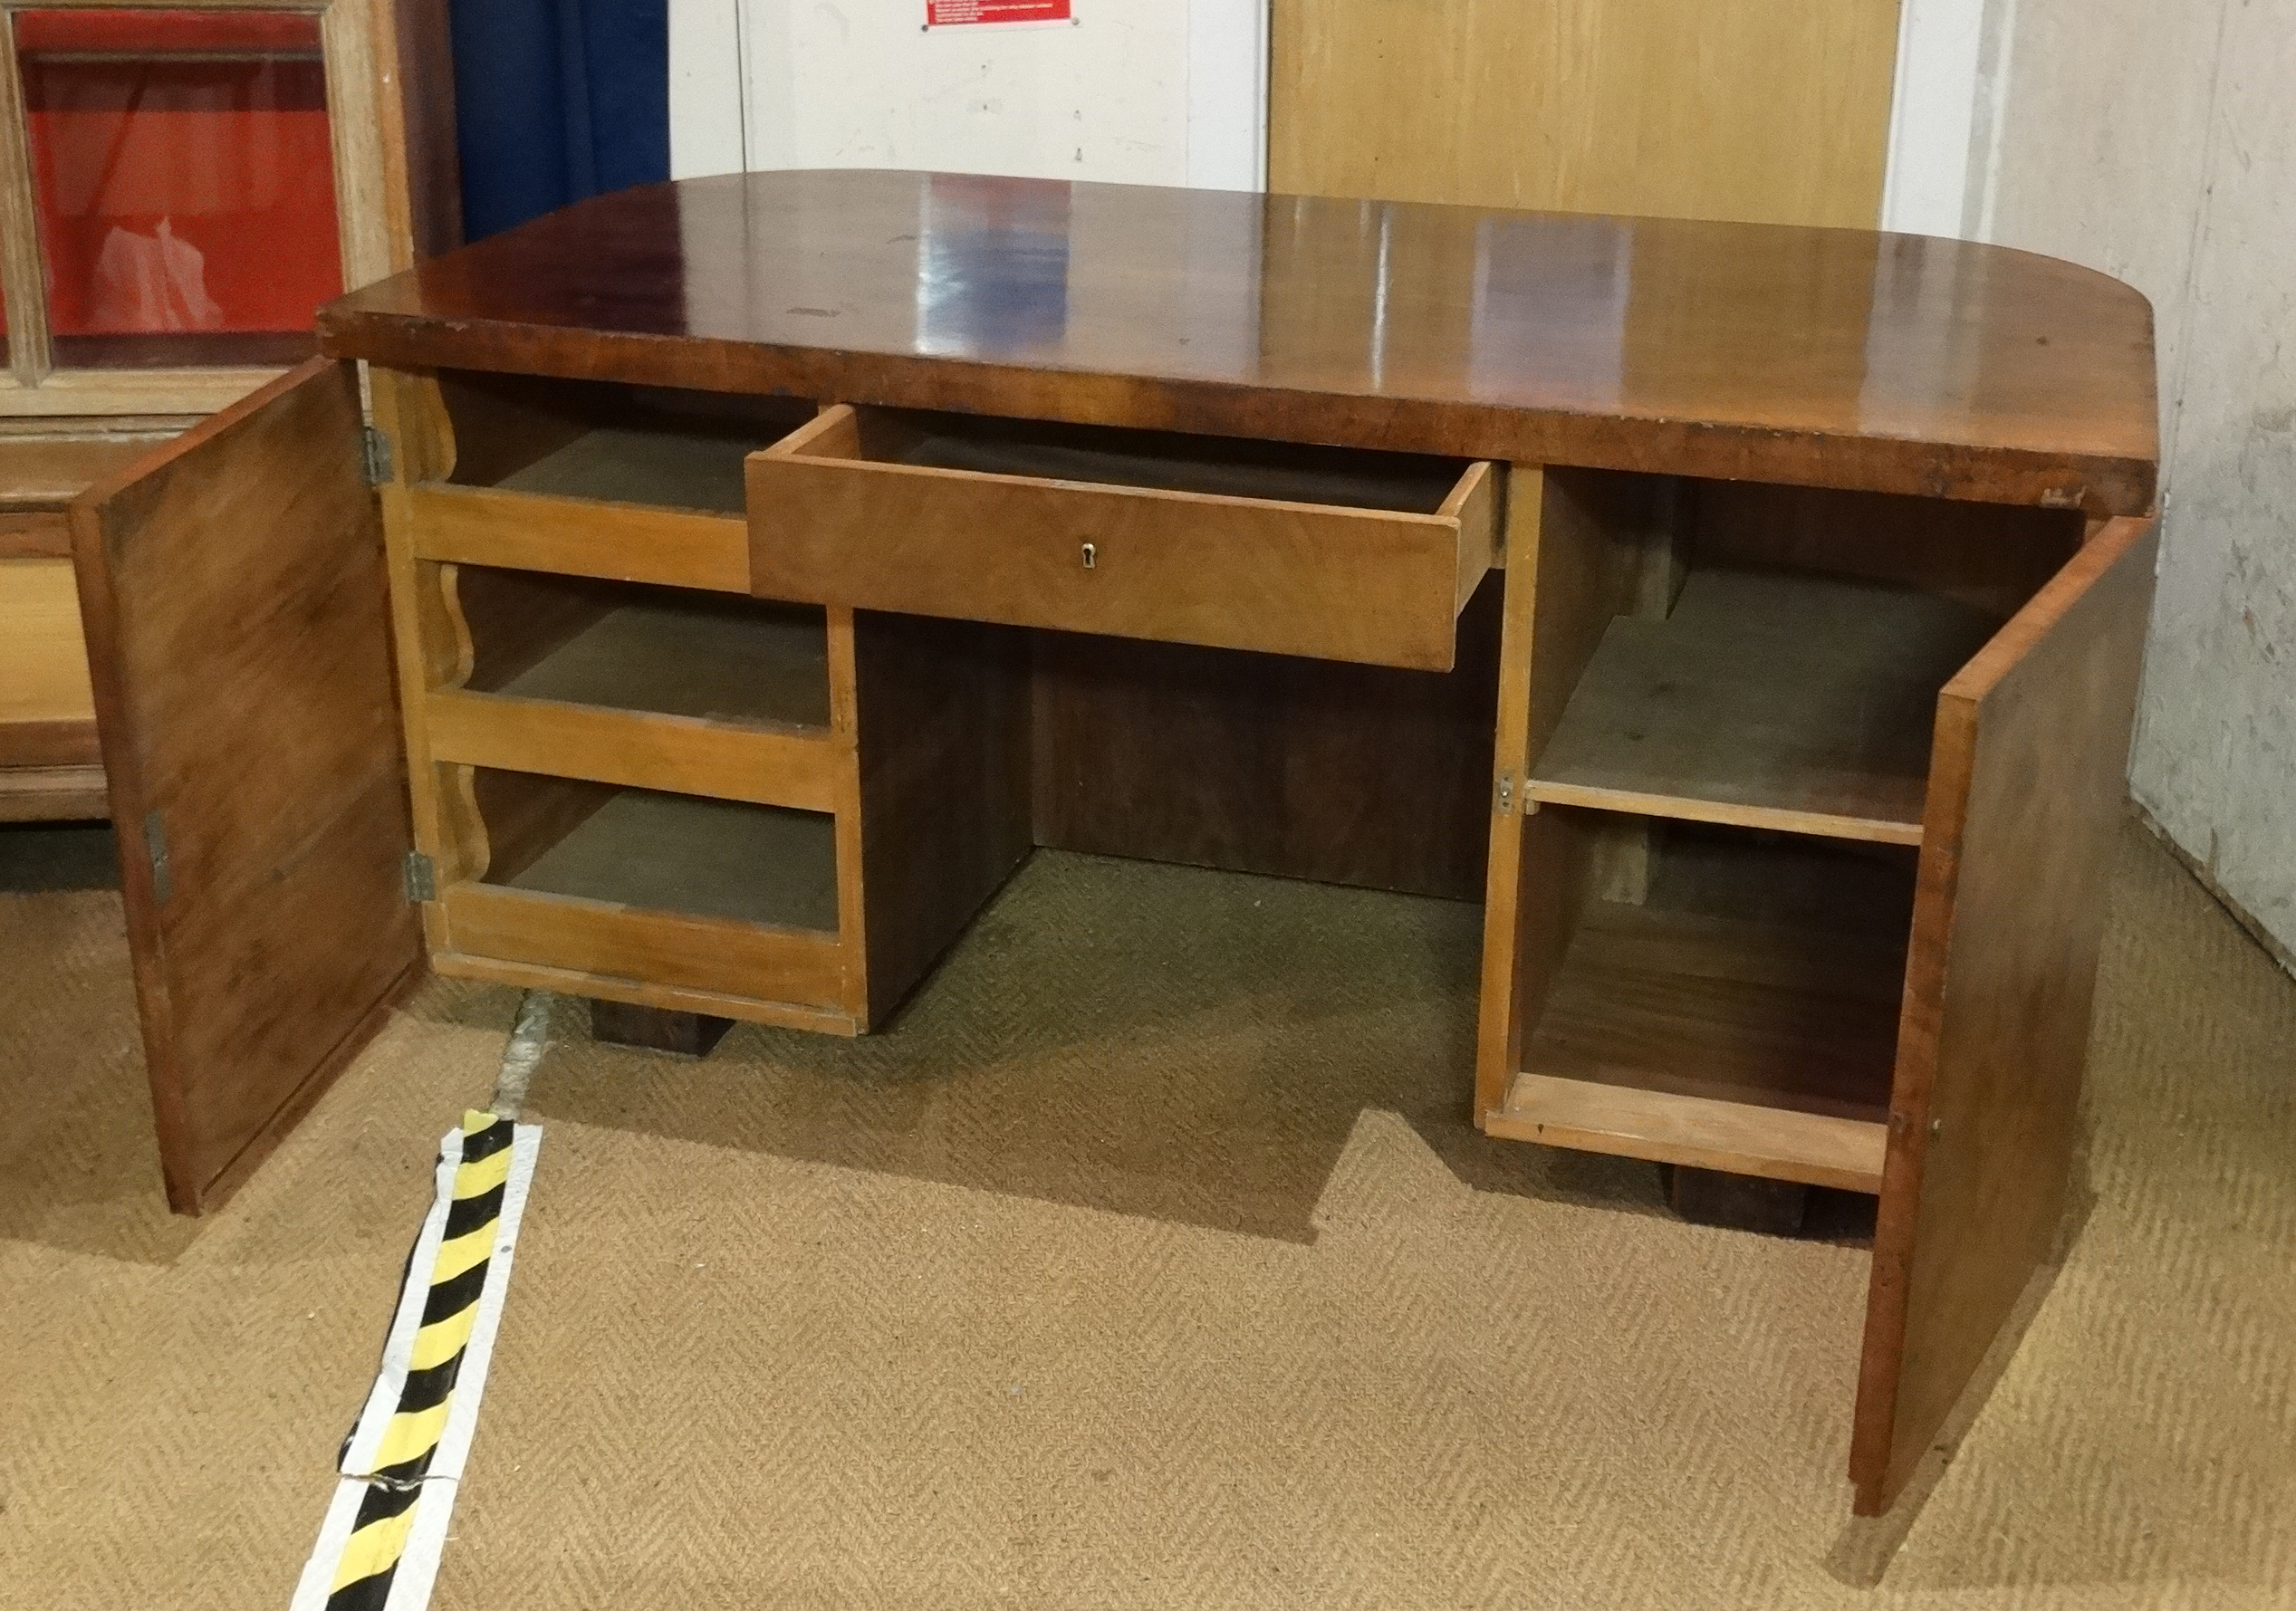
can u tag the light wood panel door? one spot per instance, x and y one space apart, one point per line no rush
238 628
1757 111
2028 780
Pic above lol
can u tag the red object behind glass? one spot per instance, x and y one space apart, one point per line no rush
185 184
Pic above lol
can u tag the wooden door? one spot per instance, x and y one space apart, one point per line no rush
2026 795
1771 111
238 628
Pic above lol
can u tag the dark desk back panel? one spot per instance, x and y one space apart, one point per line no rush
1264 763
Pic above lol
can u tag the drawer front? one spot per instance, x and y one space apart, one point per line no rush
1324 581
577 537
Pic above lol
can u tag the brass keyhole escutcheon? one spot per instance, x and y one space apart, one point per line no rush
1091 555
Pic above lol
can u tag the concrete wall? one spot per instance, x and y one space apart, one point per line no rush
2155 140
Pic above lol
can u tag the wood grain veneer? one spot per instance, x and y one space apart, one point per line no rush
2028 785
1740 352
238 625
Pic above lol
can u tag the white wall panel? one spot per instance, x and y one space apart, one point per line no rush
1152 91
705 88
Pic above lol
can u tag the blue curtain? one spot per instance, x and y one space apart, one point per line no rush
557 99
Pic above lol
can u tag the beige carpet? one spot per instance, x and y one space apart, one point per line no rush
1146 1263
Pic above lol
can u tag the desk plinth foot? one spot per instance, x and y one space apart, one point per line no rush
656 1029
1737 1201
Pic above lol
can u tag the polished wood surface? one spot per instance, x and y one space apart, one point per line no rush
236 604
1808 356
2028 787
1774 111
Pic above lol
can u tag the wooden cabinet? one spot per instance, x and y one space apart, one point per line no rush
737 664
182 183
1763 806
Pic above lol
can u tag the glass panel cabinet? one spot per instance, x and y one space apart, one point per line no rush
183 184
181 187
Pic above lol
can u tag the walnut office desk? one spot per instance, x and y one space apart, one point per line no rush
1750 617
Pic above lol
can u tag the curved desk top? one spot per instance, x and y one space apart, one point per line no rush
1841 357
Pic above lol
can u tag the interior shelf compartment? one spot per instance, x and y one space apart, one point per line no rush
679 853
1766 698
730 906
636 893
1741 1015
627 647
600 442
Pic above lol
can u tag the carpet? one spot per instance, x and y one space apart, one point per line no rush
1146 1261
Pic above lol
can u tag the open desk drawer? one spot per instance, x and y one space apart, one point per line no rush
1336 554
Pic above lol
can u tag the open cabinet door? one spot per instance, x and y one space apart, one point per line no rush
2027 788
238 629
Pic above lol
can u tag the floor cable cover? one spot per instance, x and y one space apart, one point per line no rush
379 1545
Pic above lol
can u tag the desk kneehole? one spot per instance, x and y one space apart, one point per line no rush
1332 553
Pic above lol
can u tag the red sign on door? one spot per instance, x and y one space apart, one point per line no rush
949 13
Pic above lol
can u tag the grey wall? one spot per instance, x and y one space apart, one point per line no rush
2155 140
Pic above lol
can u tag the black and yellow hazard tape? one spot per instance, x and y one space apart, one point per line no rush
377 1549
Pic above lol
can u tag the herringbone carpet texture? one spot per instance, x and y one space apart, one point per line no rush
1146 1263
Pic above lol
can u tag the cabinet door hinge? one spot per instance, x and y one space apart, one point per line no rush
422 877
374 456
155 845
1506 792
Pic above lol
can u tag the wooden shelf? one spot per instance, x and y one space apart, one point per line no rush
1765 699
638 848
721 660
1695 1131
1743 1017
